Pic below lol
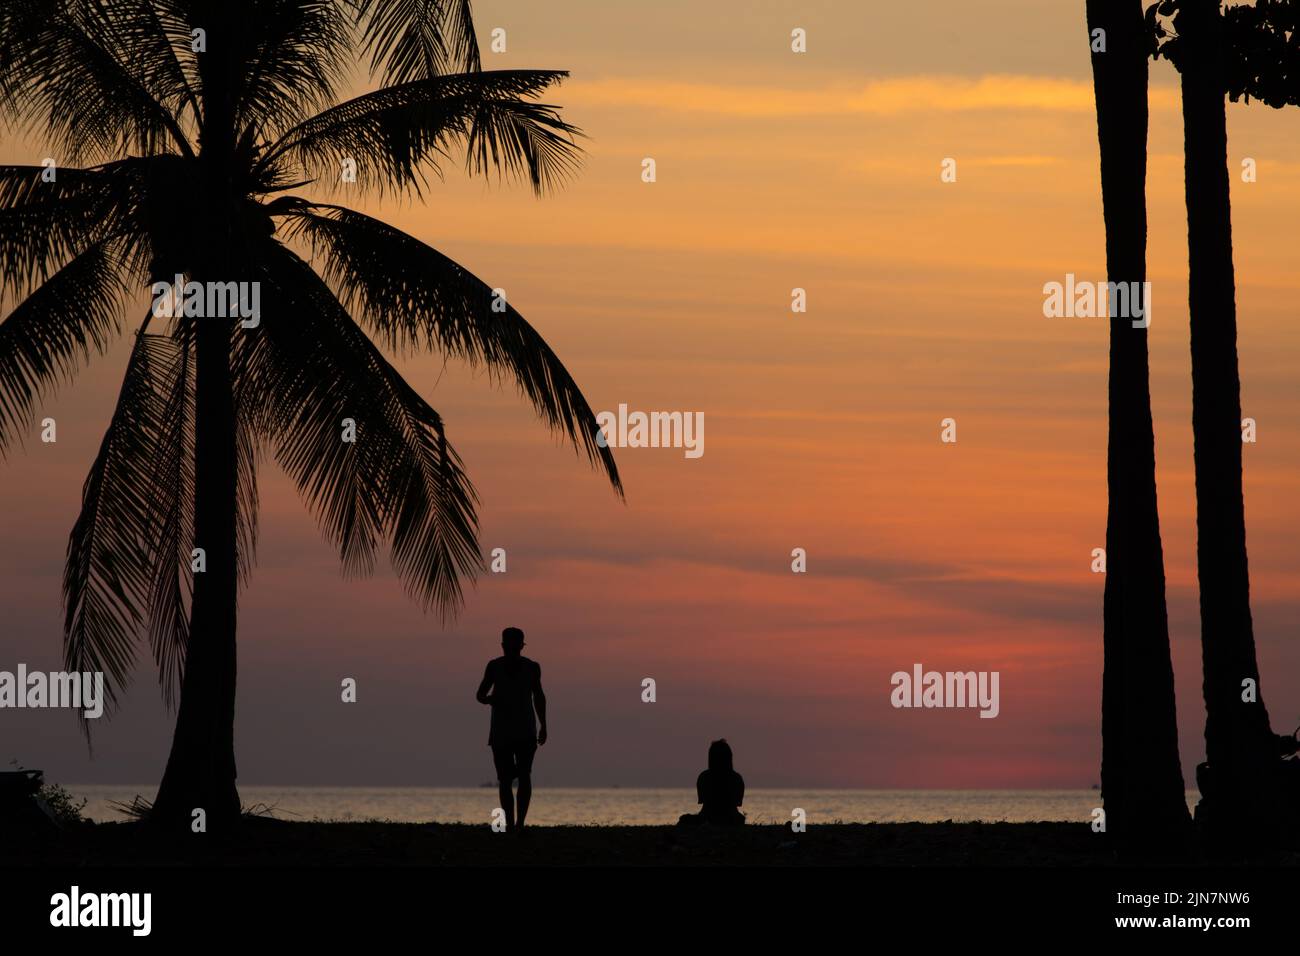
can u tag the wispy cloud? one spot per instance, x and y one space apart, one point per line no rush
885 97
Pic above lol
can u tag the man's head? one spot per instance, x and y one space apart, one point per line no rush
512 640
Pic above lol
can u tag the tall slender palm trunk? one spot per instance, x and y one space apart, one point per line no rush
1237 734
1142 781
201 769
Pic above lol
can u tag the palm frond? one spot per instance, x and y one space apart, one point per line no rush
292 65
55 328
393 135
400 480
111 551
248 448
157 35
172 517
63 66
159 38
413 296
523 141
418 39
43 224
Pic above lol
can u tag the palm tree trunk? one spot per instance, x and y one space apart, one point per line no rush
1237 734
1142 780
201 767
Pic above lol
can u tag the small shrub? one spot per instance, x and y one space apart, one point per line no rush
65 807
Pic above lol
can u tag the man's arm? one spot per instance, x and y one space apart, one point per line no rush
483 696
539 701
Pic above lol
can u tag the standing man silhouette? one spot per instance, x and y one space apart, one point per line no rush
515 685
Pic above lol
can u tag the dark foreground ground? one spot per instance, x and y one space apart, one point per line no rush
266 842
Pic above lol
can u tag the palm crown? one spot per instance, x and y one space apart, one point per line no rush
189 128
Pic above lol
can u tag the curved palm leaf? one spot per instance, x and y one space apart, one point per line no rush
43 339
158 33
107 578
445 306
171 487
391 133
43 224
418 39
400 479
292 65
62 67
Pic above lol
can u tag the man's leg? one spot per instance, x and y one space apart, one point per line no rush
507 802
505 764
525 794
524 768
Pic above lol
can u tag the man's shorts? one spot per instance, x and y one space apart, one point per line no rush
513 760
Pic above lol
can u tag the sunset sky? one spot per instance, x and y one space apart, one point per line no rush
775 170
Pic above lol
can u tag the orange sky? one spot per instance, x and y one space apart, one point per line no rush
775 171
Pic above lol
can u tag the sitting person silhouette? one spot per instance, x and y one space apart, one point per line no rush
720 791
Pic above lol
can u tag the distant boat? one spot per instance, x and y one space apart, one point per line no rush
493 783
1096 786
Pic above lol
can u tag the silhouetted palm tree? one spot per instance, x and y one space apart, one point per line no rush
1142 780
188 125
1239 744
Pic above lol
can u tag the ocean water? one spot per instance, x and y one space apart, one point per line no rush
634 806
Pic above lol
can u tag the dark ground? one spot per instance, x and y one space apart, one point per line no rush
267 842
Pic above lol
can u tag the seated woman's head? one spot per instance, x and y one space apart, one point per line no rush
720 755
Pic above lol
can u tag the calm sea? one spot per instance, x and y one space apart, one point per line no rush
552 807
